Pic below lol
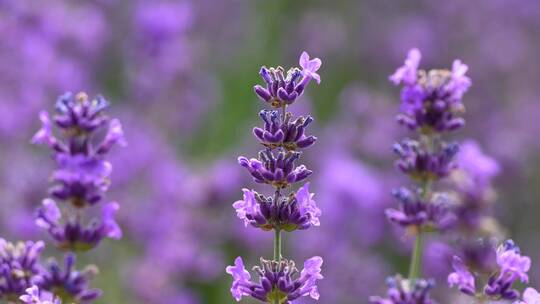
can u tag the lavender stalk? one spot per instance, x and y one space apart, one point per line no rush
282 137
430 106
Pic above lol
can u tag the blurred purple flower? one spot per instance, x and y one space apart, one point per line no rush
462 278
530 296
35 296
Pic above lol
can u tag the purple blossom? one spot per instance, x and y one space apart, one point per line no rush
72 284
530 296
19 267
512 266
248 209
35 296
278 281
431 100
408 72
283 89
512 263
277 169
80 179
400 291
71 233
310 66
461 278
422 164
435 213
297 211
286 132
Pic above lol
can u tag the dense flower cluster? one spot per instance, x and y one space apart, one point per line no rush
83 175
297 211
279 282
21 269
81 180
431 100
282 136
433 213
282 90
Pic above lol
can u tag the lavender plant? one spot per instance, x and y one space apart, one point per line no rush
282 138
430 106
80 180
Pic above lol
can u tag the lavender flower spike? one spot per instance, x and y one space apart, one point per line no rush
82 176
280 282
282 136
35 296
530 296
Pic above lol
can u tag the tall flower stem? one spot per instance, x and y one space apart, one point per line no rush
277 245
415 268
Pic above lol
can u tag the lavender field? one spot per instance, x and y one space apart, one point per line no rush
209 152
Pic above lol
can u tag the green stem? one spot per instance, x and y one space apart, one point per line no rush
277 245
415 269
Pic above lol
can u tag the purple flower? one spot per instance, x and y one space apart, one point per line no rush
45 135
72 284
422 164
408 72
285 133
283 89
71 234
80 179
431 100
436 213
277 170
400 291
278 281
530 296
512 263
241 278
462 277
310 67
35 296
248 209
307 206
512 266
19 267
297 211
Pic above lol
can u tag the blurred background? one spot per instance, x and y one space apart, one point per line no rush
179 75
